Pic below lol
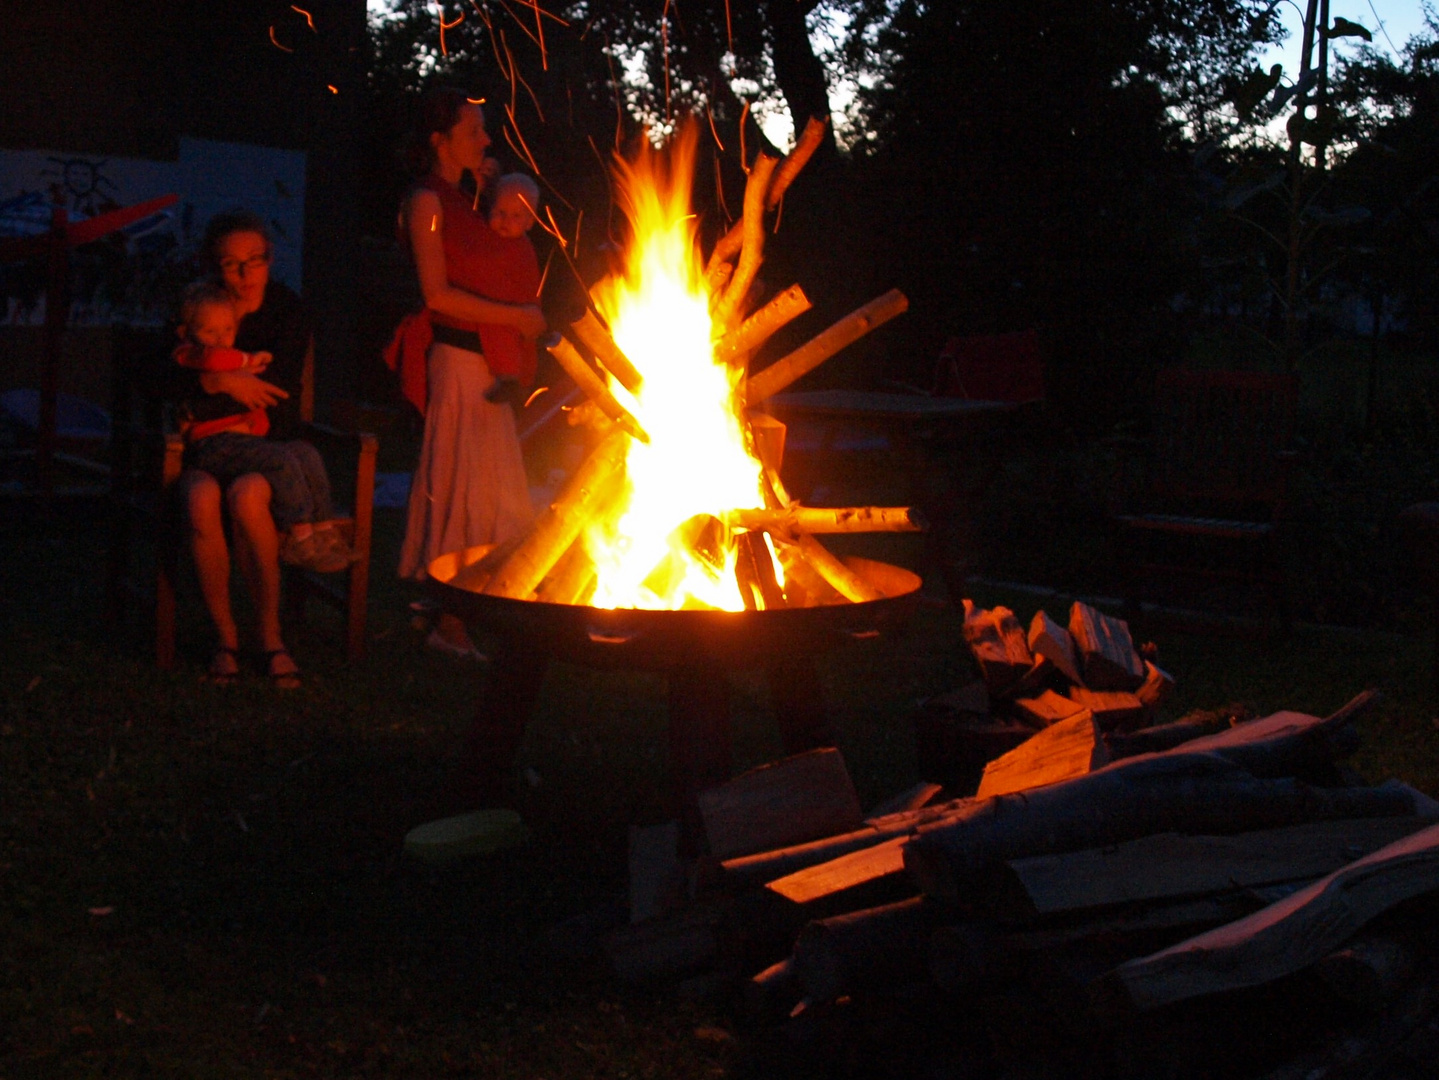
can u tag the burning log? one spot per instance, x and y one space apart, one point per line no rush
572 577
594 388
754 570
474 576
752 252
557 528
807 357
823 519
593 336
844 580
804 585
757 329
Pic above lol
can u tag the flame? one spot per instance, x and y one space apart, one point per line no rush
696 466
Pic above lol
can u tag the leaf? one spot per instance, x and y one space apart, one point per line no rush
1344 28
1254 88
1303 86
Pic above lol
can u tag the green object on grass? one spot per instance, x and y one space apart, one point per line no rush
476 833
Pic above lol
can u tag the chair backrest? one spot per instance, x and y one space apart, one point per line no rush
1219 435
992 367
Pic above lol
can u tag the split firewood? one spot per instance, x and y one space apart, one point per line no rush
1157 686
843 873
1111 708
871 950
1052 641
1174 792
1105 649
826 519
594 388
593 336
1169 867
1048 708
730 243
758 328
921 794
791 801
1285 936
844 580
1034 681
557 528
807 357
751 254
997 641
1066 749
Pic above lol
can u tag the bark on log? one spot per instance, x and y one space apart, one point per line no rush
1052 641
844 580
1106 651
593 336
751 254
556 529
807 357
1067 749
1283 937
831 519
1193 793
871 950
1170 867
595 389
791 801
758 328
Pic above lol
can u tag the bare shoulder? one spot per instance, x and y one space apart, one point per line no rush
422 204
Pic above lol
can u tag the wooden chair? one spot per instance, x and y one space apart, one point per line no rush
145 462
1217 469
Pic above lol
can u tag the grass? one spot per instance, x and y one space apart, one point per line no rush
197 881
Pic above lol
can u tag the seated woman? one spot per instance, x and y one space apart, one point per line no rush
237 249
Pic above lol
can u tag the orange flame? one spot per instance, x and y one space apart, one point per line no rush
696 466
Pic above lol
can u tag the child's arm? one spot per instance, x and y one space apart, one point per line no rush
218 358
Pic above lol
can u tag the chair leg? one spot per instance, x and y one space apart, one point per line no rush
357 598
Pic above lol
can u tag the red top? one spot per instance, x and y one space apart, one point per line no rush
219 358
493 267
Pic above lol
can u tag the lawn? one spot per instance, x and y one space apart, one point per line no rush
199 881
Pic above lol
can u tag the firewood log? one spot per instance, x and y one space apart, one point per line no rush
843 873
870 950
476 575
572 578
729 245
1283 937
592 334
1153 740
1168 867
594 388
773 993
757 329
1157 686
728 310
804 586
844 580
826 519
556 529
997 642
755 572
1052 641
1106 651
796 799
1048 708
921 794
1369 971
807 357
1064 750
1111 708
1174 792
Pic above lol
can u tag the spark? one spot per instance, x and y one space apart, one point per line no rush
444 51
540 36
538 391
434 222
551 227
518 22
615 86
475 100
311 19
743 157
728 30
665 42
719 190
710 113
544 274
331 87
276 41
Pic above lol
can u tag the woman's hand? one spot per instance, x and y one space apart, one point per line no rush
245 388
529 320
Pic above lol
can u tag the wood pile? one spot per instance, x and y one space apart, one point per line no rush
1186 899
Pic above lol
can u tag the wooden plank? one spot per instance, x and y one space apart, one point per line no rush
1283 937
1106 651
1111 708
1052 641
856 868
997 642
1048 708
1170 866
1066 749
800 798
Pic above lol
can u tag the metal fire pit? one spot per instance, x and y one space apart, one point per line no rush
695 649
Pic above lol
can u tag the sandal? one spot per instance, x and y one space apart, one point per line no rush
224 667
281 680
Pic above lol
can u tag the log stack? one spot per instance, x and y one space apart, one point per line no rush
1208 902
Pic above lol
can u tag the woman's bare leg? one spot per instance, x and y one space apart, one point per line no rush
202 495
257 548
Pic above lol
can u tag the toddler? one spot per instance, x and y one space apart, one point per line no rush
514 278
229 446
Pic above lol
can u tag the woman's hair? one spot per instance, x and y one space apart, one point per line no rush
227 224
439 112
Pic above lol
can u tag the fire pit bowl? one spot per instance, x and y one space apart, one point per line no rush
635 639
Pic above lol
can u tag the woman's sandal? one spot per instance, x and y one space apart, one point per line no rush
224 667
281 680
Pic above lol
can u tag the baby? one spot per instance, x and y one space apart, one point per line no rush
514 279
230 446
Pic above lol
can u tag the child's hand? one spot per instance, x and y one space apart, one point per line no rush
488 171
258 362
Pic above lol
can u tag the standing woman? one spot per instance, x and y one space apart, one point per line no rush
469 486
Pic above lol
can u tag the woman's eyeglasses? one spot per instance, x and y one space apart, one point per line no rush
232 267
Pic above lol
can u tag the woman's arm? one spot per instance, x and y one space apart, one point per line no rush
424 222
